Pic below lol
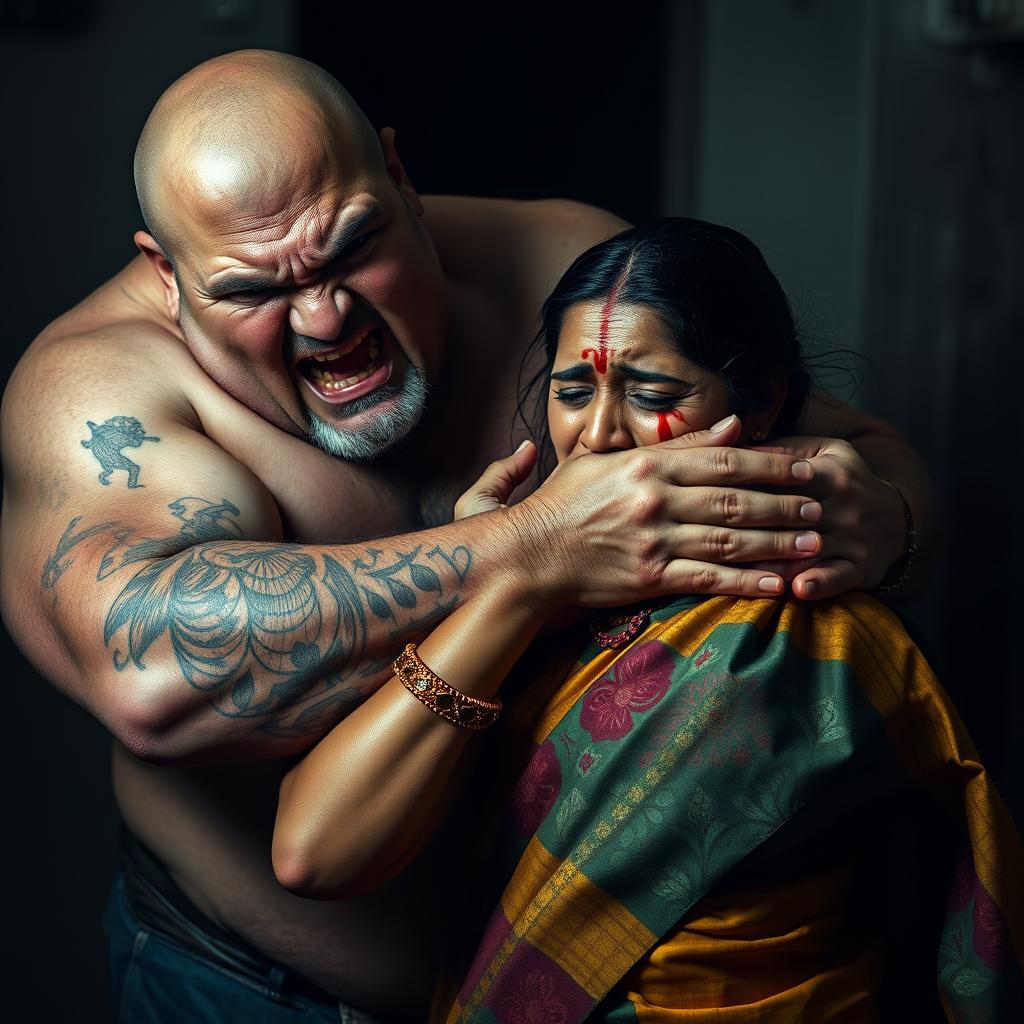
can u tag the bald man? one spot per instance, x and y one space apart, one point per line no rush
306 356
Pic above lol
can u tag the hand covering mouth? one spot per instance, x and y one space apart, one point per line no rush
348 363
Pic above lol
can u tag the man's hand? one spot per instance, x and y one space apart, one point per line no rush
677 517
863 524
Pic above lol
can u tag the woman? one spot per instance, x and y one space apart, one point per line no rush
680 824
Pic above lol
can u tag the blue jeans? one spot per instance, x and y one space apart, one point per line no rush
154 980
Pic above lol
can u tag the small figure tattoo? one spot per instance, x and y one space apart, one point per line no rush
109 438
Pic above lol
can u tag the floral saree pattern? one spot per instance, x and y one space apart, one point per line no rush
654 851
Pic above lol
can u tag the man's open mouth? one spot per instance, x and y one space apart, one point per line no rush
354 367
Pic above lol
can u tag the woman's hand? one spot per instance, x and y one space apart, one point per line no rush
497 482
863 526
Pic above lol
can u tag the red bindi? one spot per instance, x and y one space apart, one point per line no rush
664 427
600 354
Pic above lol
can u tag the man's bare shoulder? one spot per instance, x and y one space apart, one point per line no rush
532 240
65 371
119 336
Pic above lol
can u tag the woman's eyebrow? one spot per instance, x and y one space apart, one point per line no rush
648 376
584 371
580 371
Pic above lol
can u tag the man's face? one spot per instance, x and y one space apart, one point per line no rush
321 308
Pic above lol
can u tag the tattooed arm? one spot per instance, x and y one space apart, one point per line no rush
158 592
145 575
195 640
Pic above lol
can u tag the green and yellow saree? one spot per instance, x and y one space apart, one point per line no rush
700 831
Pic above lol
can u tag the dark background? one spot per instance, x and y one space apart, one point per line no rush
874 150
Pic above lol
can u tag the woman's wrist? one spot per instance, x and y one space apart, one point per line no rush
898 575
477 645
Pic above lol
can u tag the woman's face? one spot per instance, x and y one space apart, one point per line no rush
618 382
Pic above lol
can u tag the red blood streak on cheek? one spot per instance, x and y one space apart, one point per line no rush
665 427
600 354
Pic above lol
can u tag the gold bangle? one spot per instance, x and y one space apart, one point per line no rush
444 700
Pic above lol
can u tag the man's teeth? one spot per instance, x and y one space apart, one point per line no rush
330 381
327 380
344 350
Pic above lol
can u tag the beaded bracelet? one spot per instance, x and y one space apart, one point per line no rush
444 700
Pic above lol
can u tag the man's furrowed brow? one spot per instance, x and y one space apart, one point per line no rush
240 282
350 231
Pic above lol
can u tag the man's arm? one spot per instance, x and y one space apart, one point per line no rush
145 572
148 579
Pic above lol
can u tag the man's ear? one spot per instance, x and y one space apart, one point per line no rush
397 171
150 248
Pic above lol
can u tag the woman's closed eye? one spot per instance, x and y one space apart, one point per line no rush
655 401
649 401
573 396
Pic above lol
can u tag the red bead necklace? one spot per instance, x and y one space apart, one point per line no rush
634 624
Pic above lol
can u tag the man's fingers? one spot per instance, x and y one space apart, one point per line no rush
827 579
686 576
718 506
722 544
703 467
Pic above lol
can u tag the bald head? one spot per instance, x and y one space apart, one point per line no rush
243 132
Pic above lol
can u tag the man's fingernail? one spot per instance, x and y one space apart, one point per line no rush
802 470
809 587
806 542
722 425
811 511
522 446
770 585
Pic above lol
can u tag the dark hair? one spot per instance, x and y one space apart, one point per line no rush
711 288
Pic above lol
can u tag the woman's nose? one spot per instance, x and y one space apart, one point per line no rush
605 430
320 312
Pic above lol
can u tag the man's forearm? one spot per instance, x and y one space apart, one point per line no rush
242 647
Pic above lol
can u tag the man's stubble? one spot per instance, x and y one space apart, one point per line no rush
385 430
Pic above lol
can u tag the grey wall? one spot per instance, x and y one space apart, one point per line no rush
882 177
77 81
783 141
945 325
